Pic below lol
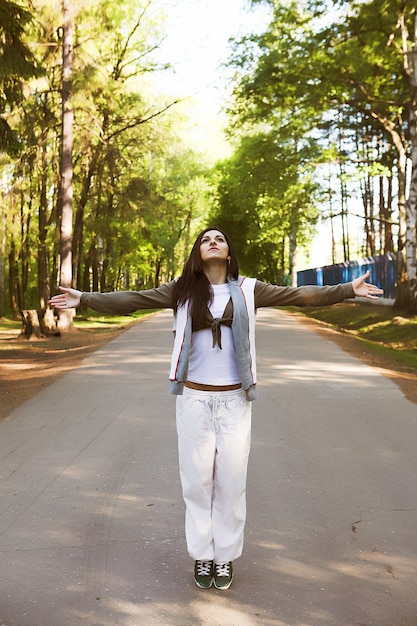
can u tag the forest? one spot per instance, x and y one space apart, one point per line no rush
100 191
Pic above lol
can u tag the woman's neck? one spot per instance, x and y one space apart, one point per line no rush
216 275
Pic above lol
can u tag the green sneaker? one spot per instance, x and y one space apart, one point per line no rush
223 575
203 574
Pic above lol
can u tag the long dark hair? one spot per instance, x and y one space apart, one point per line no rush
194 285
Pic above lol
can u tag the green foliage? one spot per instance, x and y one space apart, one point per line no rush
276 72
267 193
339 77
17 65
264 197
307 91
138 193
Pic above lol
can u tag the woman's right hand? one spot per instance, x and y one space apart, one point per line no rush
67 299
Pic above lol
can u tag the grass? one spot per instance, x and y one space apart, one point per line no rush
97 322
92 323
381 329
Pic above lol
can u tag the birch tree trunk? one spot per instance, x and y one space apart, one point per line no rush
411 218
401 298
409 54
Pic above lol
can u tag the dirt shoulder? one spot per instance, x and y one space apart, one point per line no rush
27 367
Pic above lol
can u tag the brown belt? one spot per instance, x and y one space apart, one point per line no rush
199 387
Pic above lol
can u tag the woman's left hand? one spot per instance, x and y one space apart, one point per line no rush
366 290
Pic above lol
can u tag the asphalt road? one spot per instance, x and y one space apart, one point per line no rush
91 522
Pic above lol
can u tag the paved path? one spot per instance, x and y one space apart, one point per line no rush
91 522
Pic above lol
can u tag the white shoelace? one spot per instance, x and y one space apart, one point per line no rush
223 569
204 568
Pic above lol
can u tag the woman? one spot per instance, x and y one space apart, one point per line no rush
213 374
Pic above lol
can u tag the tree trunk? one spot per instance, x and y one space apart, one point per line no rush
409 237
2 260
24 250
292 258
401 296
37 323
385 215
343 194
157 274
65 321
389 237
14 290
411 219
43 274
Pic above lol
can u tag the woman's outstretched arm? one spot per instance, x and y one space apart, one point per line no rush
116 302
314 295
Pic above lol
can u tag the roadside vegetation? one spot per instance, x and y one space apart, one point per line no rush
380 330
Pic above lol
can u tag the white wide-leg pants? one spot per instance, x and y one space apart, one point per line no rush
214 431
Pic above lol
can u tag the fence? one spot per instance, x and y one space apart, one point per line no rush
382 269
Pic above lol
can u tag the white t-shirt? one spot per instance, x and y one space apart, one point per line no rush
208 365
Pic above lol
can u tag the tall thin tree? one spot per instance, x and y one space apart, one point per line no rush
65 275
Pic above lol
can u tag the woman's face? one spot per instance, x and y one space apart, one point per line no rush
213 246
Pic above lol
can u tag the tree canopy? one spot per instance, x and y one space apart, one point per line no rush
322 125
138 191
337 79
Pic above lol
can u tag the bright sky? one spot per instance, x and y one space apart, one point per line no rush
197 45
